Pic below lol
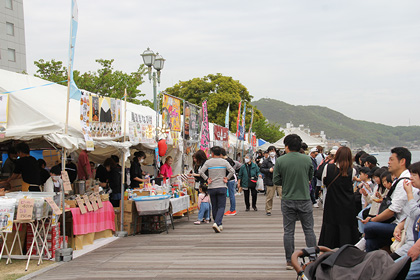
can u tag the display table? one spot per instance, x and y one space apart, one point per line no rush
93 225
180 204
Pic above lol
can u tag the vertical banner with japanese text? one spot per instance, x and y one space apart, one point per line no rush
205 133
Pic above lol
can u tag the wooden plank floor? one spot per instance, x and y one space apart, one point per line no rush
250 247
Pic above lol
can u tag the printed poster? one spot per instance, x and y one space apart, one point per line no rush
221 136
205 134
85 113
7 212
141 128
192 122
171 113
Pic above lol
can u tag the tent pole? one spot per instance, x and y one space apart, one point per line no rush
123 233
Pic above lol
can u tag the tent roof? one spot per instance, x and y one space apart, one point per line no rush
308 139
39 111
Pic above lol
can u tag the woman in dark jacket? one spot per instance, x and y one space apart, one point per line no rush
114 181
247 179
136 173
199 159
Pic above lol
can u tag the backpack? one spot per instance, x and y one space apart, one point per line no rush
387 201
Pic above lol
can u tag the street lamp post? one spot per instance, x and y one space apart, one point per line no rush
157 61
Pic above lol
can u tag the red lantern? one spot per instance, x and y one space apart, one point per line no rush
162 147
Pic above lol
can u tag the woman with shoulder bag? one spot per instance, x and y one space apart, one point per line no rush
339 225
247 181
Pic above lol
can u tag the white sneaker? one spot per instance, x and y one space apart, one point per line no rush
361 244
221 227
216 228
316 205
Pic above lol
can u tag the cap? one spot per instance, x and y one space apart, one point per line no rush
314 150
333 151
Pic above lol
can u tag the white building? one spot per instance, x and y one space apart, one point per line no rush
12 36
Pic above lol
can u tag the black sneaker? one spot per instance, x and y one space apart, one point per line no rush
255 208
247 209
268 214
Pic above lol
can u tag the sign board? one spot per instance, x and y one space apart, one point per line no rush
53 205
25 209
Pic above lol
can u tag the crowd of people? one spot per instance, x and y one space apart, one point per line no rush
363 204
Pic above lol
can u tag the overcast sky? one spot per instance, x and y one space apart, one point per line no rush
361 58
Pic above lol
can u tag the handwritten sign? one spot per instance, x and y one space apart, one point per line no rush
99 200
53 205
96 189
66 181
93 200
87 202
81 205
25 208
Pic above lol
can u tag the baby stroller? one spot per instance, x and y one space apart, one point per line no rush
348 263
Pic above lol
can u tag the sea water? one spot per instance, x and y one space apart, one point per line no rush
383 157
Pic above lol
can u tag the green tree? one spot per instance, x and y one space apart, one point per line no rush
268 131
219 91
105 81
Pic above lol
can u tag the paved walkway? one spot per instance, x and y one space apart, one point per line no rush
250 247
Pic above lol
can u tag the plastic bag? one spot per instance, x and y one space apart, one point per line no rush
260 184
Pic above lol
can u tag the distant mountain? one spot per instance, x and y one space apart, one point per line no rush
338 126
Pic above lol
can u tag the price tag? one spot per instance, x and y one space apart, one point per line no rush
65 176
53 205
25 209
96 189
87 202
99 200
93 200
67 186
81 205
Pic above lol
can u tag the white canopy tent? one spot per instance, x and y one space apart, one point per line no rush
309 140
37 112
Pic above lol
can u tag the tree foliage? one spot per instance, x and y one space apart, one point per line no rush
268 131
105 81
219 91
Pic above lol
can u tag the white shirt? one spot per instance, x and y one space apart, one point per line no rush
399 199
49 185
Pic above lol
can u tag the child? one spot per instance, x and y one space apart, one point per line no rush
203 205
367 185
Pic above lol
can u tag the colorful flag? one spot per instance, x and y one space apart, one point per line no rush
237 120
74 91
242 131
227 117
250 125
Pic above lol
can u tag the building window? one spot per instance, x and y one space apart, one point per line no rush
12 54
9 4
10 29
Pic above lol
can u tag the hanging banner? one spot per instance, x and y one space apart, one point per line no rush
99 117
227 117
191 122
171 113
85 111
205 134
254 140
250 125
221 136
141 128
4 105
241 133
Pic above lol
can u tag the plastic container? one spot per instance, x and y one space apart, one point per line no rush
152 205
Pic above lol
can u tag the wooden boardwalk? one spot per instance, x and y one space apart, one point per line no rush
250 247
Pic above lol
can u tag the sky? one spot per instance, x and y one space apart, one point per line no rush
360 58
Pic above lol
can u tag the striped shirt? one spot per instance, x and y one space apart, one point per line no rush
217 168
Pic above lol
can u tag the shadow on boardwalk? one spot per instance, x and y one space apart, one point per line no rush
250 247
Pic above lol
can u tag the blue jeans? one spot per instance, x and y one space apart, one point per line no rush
292 210
362 225
378 235
414 272
218 204
204 211
231 188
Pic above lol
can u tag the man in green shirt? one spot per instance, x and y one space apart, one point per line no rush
294 171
